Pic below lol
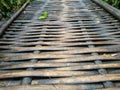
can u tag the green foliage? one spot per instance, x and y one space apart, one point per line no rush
44 16
7 7
115 3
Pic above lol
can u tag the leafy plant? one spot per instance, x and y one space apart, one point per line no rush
115 3
44 16
7 7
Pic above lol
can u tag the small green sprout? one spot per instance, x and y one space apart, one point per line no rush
44 16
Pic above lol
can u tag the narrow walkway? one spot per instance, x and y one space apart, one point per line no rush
76 48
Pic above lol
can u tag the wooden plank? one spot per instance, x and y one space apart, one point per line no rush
44 63
33 56
59 50
89 50
90 67
52 87
34 39
60 43
60 57
37 65
63 30
62 66
49 36
43 73
22 21
88 58
50 48
86 39
80 79
27 34
66 39
36 33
